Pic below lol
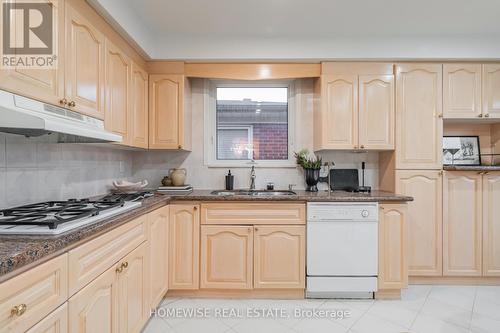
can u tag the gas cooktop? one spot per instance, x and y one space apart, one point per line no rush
56 217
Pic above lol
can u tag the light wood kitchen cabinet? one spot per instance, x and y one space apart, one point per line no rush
354 107
462 224
338 118
133 294
29 297
158 255
85 65
138 113
46 85
491 224
462 91
184 246
117 89
169 112
226 257
393 265
279 257
96 307
491 90
424 220
56 322
419 123
376 112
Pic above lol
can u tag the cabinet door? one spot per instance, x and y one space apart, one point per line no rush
462 91
491 90
138 116
279 257
462 224
491 224
184 246
56 322
339 112
158 255
419 126
226 257
95 308
165 111
376 112
133 294
84 79
425 220
393 265
116 90
46 85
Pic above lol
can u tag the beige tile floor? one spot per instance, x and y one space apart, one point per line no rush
422 309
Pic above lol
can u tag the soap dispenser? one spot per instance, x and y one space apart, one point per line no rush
229 181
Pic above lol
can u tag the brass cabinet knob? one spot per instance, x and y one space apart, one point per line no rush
18 310
63 101
487 115
256 229
195 208
355 147
179 146
480 115
72 104
440 115
362 147
125 264
119 269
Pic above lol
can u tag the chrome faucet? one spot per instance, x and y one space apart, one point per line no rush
252 178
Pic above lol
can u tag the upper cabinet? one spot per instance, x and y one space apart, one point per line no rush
138 110
462 91
169 112
117 79
491 90
354 107
419 123
84 65
43 84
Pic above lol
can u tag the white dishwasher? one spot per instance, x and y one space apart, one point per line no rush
342 250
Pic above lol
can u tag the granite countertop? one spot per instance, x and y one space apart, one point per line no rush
471 168
19 253
322 196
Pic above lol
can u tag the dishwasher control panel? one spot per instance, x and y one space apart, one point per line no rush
342 211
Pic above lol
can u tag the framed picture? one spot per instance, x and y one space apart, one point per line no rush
461 150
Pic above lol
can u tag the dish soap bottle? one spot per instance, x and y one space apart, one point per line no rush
229 181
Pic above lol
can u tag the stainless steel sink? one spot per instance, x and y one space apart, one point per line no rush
257 193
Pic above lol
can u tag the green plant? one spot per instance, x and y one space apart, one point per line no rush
305 160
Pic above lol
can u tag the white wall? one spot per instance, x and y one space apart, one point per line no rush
35 170
154 165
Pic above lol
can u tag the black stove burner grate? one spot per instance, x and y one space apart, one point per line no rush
53 213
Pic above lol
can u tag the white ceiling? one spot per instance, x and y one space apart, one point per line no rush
309 29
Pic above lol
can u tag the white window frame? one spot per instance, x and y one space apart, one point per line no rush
210 123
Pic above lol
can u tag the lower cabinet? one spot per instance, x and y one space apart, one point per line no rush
56 322
491 224
115 301
279 257
248 257
184 246
158 255
226 257
393 266
462 224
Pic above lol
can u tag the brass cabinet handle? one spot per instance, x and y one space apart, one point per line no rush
18 310
119 269
195 208
72 104
441 173
63 101
487 115
179 146
480 115
362 147
125 264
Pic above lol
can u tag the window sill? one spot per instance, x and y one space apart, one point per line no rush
246 165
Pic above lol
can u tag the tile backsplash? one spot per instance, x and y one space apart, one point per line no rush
34 169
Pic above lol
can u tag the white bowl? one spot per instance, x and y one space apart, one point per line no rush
125 186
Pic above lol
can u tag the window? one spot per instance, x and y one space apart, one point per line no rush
248 123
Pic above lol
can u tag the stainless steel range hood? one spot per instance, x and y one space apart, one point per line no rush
31 118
